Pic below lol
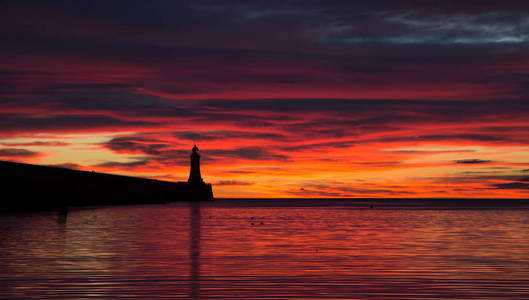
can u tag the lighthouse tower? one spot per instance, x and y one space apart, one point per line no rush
194 172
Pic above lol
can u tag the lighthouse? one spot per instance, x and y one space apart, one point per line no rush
195 188
194 172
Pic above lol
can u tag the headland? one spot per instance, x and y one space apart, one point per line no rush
27 187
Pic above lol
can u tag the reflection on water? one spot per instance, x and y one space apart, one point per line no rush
276 252
194 249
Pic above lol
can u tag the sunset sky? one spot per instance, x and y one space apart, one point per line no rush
284 98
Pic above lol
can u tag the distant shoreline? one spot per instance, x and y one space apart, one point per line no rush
373 203
361 199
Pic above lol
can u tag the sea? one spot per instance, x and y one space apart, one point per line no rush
270 249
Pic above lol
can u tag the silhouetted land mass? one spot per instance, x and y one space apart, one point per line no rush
32 187
376 203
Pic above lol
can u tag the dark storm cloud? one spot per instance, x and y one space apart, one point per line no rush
158 32
16 152
455 110
19 122
38 143
314 146
248 153
347 117
226 134
106 97
512 186
385 22
267 24
164 152
368 111
136 144
126 165
240 172
430 151
270 119
232 42
468 136
472 161
155 151
233 182
476 176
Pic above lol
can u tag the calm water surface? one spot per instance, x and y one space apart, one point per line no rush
232 250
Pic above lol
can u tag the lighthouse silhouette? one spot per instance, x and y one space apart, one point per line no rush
196 188
194 172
